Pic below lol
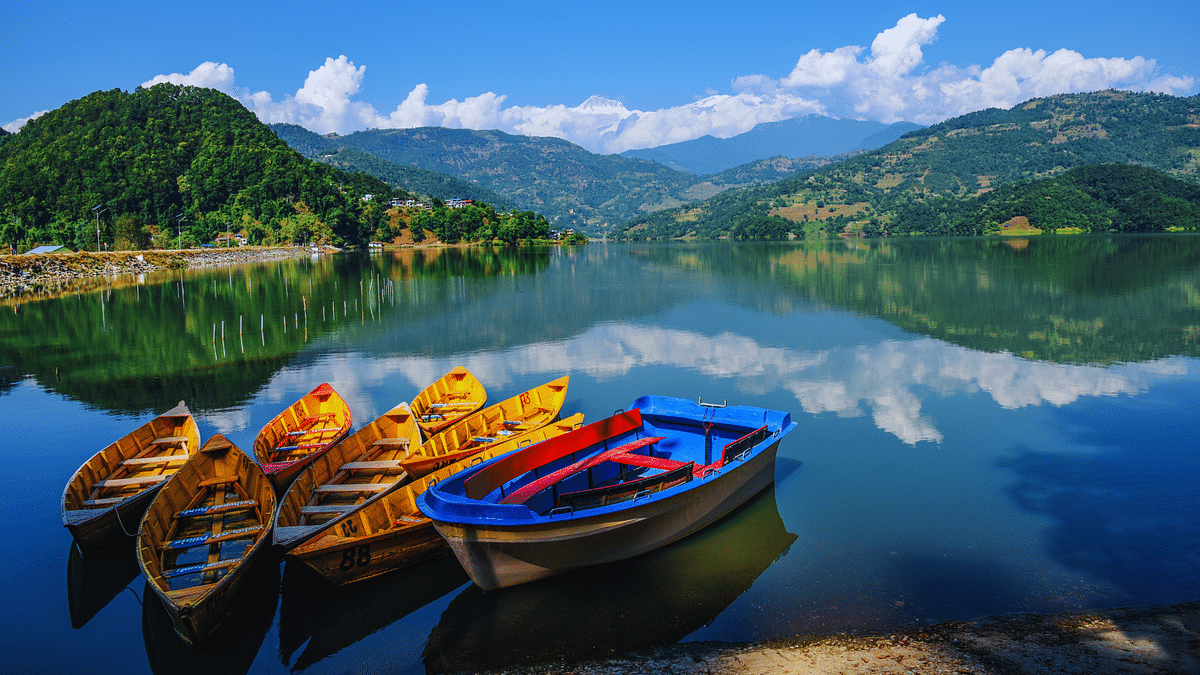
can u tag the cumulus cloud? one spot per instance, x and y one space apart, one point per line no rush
15 125
888 82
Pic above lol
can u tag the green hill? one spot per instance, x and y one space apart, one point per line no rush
924 182
154 154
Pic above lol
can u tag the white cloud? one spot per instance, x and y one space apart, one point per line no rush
15 125
890 82
208 74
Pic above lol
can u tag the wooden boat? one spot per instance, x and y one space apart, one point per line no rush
388 532
108 494
351 472
608 491
300 433
525 412
450 398
201 533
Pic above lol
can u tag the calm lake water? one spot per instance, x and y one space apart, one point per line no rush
986 427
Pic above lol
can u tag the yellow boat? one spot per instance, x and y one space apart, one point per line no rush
389 532
525 412
450 398
348 474
200 534
300 433
108 493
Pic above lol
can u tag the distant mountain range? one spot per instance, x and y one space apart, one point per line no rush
807 136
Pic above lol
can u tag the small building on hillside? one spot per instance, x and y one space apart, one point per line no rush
53 248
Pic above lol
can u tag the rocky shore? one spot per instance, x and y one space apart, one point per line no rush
1158 639
20 273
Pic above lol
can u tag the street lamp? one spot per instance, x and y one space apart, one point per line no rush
179 229
102 208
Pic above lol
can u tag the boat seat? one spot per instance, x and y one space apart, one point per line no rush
136 480
195 569
353 487
220 480
609 494
214 509
377 464
161 459
325 508
302 446
317 417
205 539
106 501
410 520
523 493
392 442
454 404
170 439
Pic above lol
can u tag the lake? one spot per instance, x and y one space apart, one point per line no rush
985 426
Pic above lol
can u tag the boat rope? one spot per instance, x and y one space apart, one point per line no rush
117 510
135 595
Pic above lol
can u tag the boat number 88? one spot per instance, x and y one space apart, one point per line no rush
355 555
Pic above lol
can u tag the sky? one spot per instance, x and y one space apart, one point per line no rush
609 76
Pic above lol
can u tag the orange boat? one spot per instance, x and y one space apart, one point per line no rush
108 494
504 421
452 397
300 433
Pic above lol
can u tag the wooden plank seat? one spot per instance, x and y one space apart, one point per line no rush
318 417
214 509
523 493
372 465
452 404
392 442
219 480
169 439
136 480
161 459
209 538
354 487
301 446
411 520
106 501
195 569
319 509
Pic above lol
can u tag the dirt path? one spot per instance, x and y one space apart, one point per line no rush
1160 639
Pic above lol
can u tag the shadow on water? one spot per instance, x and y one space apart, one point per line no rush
320 619
1127 512
234 645
93 581
657 598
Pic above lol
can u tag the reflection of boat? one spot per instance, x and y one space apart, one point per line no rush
108 494
389 532
200 534
93 581
654 599
506 420
302 431
319 619
233 646
359 468
589 497
450 398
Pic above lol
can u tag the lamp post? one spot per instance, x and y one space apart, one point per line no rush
179 229
102 208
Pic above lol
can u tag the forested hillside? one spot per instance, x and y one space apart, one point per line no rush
573 187
924 182
169 166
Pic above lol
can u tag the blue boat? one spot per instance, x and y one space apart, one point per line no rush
607 491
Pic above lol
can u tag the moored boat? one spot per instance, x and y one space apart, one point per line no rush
389 532
107 495
361 467
608 491
447 400
201 533
300 433
506 420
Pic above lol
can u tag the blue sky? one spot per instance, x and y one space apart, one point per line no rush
609 76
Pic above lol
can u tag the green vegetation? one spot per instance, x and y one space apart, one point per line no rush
927 182
479 223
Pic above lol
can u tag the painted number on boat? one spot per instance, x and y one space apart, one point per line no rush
358 555
526 398
349 528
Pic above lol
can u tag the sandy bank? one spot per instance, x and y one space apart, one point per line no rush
1159 639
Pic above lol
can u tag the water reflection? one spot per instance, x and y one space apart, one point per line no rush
232 648
93 581
656 598
319 619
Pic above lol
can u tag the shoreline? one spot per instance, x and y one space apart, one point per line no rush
1150 639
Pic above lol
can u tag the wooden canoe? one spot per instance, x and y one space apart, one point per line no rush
300 433
351 472
108 494
525 412
201 533
389 532
452 397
